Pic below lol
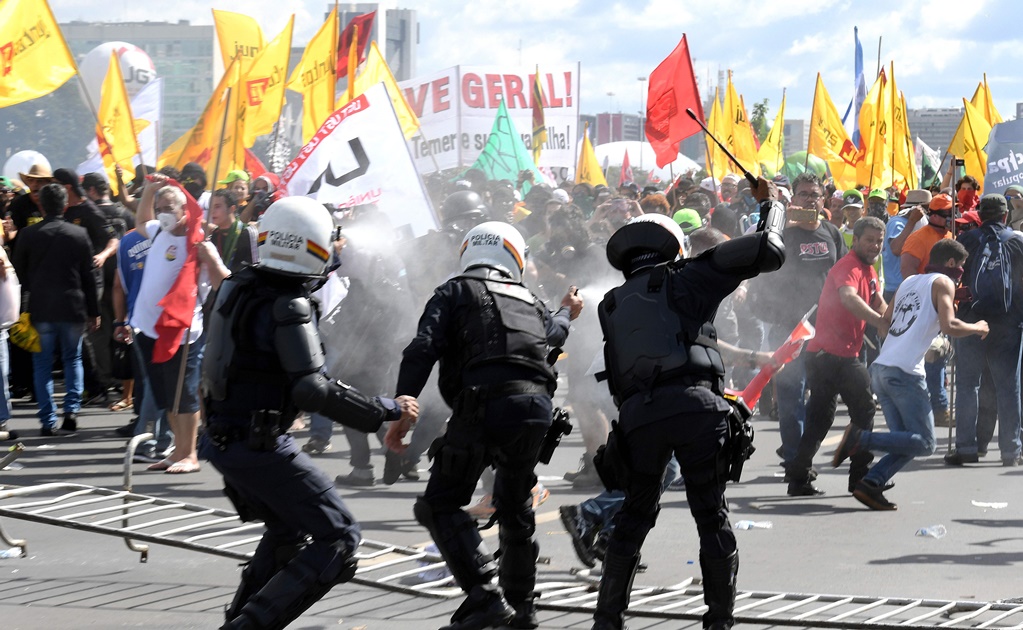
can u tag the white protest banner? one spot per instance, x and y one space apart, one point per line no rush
359 156
457 106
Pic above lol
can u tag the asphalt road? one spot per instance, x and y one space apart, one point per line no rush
829 544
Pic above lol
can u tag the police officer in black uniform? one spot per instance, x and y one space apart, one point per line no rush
665 374
263 364
492 337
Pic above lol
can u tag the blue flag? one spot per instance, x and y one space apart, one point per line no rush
859 92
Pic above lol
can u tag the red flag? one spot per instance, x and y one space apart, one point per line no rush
672 90
179 303
253 165
365 25
626 175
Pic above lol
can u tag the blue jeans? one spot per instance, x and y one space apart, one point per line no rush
149 412
599 511
5 368
320 427
1001 352
936 384
69 336
789 395
907 410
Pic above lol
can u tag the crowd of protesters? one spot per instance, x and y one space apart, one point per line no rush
99 321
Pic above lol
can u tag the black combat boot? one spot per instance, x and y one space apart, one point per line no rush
485 607
719 575
615 588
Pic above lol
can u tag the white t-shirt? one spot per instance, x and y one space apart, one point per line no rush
165 259
914 325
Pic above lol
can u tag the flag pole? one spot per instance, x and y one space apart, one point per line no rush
781 138
223 132
809 136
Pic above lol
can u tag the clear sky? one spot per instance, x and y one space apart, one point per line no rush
941 48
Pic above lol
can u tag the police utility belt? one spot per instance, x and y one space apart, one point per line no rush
261 434
470 405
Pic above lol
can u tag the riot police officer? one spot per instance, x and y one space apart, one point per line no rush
492 337
665 374
263 364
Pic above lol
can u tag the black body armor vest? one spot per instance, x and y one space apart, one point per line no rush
648 342
504 326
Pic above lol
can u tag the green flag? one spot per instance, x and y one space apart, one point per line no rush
505 155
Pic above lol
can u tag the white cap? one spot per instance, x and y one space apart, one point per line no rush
561 195
710 184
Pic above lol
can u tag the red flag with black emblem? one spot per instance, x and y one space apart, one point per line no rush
672 89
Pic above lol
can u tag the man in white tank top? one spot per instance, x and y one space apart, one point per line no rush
923 307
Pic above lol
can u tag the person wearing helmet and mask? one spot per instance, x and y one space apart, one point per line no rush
492 337
264 363
665 373
460 211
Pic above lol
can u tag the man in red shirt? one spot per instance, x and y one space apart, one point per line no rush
851 299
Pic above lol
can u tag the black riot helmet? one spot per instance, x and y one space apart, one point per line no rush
465 208
647 240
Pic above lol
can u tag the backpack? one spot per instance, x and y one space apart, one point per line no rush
991 284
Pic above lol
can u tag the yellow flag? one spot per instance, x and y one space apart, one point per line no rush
315 77
588 170
970 140
115 131
171 154
215 135
740 136
374 71
770 153
238 34
34 58
262 94
353 61
985 103
903 153
829 140
876 124
717 161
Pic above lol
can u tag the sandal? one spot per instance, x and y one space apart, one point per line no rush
122 405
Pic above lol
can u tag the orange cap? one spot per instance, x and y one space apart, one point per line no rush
941 202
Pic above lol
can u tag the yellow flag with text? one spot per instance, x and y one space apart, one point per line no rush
588 170
262 91
903 152
770 153
970 140
34 58
315 77
115 131
238 35
829 140
876 124
215 136
374 71
740 134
